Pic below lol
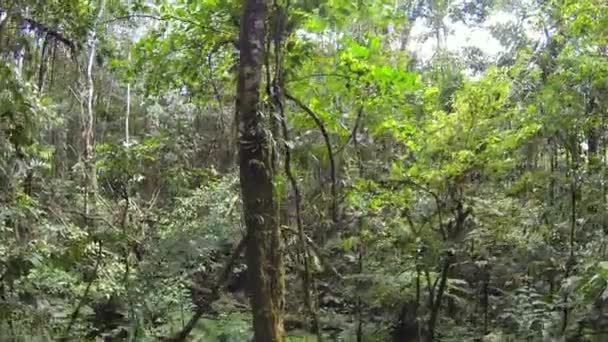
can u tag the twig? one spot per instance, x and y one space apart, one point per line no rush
332 163
133 16
213 82
76 96
353 133
159 18
438 202
319 253
303 78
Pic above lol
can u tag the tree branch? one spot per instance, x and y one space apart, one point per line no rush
83 299
43 30
222 277
307 77
438 299
352 135
332 163
319 253
159 18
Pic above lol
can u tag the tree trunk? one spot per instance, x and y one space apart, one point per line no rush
90 186
264 255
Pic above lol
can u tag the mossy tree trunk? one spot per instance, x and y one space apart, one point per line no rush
264 255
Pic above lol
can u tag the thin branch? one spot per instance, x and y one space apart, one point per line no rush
159 18
430 288
392 182
438 299
332 163
216 91
42 66
76 96
83 299
57 216
438 202
221 280
353 133
319 253
359 300
49 32
154 199
132 16
307 77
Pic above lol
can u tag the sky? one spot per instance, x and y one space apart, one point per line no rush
462 35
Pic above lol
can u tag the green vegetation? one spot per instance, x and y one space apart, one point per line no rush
300 170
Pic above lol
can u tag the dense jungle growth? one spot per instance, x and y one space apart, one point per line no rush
304 170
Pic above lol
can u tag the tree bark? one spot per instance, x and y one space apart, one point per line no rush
90 186
264 256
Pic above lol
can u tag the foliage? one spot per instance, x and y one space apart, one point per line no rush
454 198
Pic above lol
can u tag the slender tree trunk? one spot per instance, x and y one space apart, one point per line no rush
359 300
574 164
128 111
264 255
438 298
3 17
89 125
603 180
485 298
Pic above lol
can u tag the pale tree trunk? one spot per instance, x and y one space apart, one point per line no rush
89 125
19 62
264 255
128 112
3 16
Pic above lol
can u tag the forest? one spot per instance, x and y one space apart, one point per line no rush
304 170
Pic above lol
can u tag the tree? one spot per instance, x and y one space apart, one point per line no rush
263 254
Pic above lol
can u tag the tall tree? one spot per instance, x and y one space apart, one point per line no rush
264 259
